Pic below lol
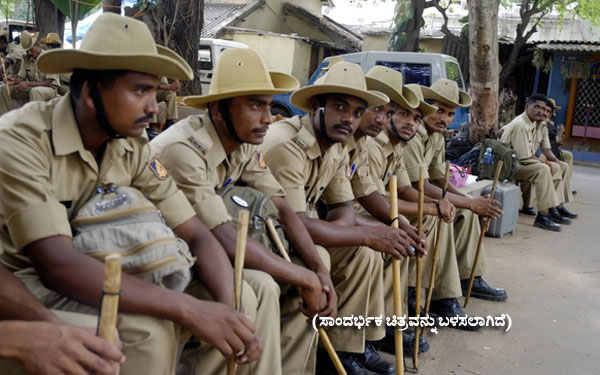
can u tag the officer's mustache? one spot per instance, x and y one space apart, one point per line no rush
144 119
343 126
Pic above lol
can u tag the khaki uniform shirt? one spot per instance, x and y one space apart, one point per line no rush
525 137
385 161
46 175
30 72
294 156
425 151
360 175
192 152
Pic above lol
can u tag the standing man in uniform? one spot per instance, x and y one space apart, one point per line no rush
525 134
427 149
308 158
54 157
31 83
205 153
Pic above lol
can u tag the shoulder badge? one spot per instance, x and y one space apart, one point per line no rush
380 141
158 169
260 160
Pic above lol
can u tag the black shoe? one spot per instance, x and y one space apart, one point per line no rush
482 290
574 192
449 308
557 217
412 302
371 360
562 210
388 344
349 361
545 222
528 211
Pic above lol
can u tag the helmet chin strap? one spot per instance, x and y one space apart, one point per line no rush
100 112
322 126
228 121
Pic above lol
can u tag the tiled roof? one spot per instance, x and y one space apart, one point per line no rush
344 37
219 15
569 46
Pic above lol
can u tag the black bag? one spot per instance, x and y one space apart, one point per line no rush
456 147
260 209
501 152
470 159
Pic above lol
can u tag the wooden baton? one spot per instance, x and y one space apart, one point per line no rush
436 250
419 270
396 278
486 223
238 268
110 297
322 334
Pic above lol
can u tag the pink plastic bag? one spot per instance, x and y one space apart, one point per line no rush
458 175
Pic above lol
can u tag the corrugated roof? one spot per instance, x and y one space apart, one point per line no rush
219 15
579 46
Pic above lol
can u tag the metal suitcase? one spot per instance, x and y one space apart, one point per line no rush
510 196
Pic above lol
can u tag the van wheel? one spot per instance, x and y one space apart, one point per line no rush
280 111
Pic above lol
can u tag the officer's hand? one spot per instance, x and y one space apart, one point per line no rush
483 206
219 325
448 210
22 86
329 290
419 243
175 86
314 300
48 348
388 240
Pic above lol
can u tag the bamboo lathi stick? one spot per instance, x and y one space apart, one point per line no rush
240 255
322 334
110 298
486 223
419 267
396 278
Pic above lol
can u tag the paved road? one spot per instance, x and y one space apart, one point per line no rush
553 283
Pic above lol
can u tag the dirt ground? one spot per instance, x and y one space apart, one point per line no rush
553 285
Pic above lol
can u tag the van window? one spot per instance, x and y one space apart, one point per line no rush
453 73
411 72
205 58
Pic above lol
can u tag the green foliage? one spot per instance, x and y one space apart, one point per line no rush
16 9
82 7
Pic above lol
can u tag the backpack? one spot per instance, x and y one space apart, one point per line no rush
121 220
456 147
260 209
469 160
501 152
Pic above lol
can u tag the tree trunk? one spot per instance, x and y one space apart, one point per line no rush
48 18
177 24
112 6
408 15
483 67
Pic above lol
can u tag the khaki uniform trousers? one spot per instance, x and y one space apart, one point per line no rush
288 348
357 275
39 93
562 184
150 344
544 183
447 275
206 360
567 157
298 339
170 99
466 235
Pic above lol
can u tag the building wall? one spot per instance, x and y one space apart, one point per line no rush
557 89
270 18
375 43
431 45
301 60
276 51
280 53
